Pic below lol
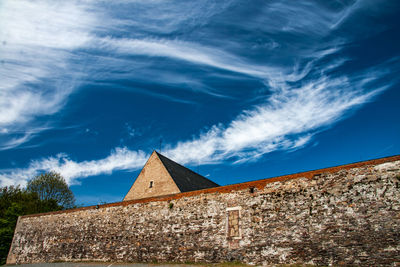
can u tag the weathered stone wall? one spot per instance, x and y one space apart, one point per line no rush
344 216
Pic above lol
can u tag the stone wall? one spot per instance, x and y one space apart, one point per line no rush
347 215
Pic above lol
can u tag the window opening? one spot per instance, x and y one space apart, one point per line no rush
233 227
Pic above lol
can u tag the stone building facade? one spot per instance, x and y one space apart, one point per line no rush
346 215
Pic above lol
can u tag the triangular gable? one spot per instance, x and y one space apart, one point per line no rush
153 180
161 176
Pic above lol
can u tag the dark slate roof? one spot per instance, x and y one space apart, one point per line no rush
185 179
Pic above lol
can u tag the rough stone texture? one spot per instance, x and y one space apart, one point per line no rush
233 224
348 215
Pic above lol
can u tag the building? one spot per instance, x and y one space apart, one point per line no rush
161 176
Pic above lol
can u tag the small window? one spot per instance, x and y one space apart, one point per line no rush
151 184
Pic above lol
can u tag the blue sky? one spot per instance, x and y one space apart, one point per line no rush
235 90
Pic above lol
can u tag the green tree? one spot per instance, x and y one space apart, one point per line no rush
52 187
15 202
44 193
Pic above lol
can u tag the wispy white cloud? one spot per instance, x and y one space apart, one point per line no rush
36 39
190 52
288 120
311 18
18 139
39 41
119 159
157 17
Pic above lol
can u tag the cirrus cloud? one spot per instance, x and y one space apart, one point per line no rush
49 50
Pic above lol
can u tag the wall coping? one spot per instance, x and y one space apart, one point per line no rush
259 184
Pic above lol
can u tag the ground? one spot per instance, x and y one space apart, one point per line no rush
107 264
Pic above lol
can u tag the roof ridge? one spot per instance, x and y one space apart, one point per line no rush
159 154
185 181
